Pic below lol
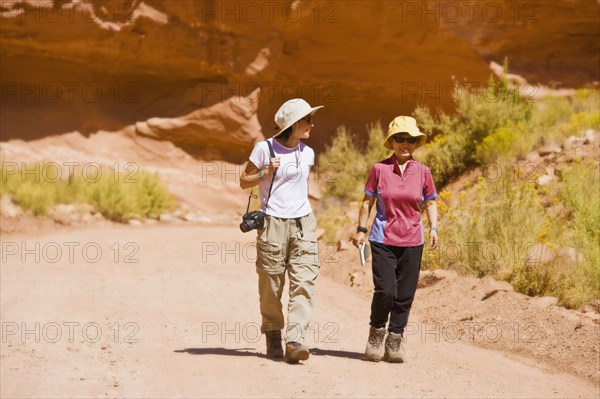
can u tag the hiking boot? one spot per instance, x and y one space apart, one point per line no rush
295 351
274 348
374 351
394 351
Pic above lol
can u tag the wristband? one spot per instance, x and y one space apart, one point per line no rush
361 229
432 229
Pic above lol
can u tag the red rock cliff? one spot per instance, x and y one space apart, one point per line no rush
209 72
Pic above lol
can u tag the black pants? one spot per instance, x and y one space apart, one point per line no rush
395 276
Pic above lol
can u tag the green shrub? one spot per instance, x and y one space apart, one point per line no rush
375 150
334 219
550 112
489 109
492 228
582 121
35 189
533 280
345 167
586 100
582 185
498 227
479 113
445 158
29 189
505 143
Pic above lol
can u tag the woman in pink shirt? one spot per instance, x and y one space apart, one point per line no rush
399 184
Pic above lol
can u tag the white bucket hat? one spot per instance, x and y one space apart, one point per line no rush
291 112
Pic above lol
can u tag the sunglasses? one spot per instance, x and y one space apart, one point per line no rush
400 139
308 118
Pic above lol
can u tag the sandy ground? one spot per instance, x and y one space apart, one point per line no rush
172 311
488 313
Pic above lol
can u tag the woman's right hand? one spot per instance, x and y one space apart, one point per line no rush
358 238
275 162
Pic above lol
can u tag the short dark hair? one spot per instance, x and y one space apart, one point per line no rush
285 135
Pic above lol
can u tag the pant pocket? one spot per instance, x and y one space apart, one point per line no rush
307 252
307 245
270 257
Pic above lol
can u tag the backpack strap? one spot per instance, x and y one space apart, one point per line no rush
272 153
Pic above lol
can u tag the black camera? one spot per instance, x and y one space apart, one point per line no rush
252 220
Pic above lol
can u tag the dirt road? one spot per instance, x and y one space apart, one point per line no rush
172 311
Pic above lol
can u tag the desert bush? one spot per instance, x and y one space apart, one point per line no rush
334 219
140 195
582 121
510 141
586 100
580 194
343 169
445 157
489 226
28 189
549 112
499 228
344 166
479 113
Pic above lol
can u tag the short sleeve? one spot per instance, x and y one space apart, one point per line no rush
372 180
429 191
311 157
259 156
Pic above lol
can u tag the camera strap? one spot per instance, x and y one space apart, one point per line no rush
272 152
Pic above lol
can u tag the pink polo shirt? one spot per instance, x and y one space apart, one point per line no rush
399 196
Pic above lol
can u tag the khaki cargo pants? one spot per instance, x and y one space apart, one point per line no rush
287 245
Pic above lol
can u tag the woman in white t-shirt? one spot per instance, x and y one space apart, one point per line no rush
287 242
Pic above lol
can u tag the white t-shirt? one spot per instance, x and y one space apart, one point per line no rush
289 196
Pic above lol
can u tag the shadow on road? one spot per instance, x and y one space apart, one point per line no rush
336 353
245 352
222 351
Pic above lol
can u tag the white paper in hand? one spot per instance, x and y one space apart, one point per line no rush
364 250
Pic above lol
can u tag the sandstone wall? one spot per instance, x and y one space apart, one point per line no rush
228 65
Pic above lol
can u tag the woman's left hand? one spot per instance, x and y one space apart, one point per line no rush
433 239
